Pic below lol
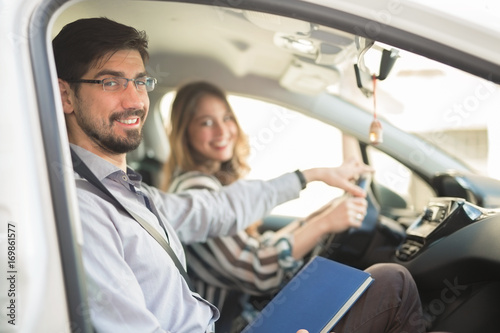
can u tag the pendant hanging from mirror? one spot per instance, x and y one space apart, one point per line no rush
375 127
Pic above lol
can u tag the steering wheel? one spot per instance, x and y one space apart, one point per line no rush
351 244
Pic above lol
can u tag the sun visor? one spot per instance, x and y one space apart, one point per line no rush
308 78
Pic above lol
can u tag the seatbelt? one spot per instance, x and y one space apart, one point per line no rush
82 169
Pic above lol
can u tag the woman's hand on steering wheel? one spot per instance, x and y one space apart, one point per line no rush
344 213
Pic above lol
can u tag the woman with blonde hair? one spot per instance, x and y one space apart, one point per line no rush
209 151
184 156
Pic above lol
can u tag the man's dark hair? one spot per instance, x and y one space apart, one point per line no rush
84 43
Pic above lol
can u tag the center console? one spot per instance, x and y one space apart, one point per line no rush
441 217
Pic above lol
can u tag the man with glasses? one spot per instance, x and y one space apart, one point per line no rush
133 284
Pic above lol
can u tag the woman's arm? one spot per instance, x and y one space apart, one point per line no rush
340 177
338 216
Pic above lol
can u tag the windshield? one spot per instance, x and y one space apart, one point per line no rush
454 110
485 13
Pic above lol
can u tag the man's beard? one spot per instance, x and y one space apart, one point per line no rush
103 135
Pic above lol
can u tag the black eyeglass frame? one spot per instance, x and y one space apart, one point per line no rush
123 85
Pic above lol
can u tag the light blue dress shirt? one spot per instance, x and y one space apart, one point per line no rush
132 283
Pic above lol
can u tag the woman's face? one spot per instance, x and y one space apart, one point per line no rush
212 131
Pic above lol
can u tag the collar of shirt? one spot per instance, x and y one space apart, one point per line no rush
103 170
95 163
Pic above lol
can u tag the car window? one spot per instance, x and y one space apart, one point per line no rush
397 186
282 140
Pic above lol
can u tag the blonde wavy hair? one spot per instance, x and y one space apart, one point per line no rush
182 156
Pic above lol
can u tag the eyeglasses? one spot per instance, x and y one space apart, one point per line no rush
120 83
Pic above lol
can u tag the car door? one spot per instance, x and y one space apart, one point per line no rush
42 288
